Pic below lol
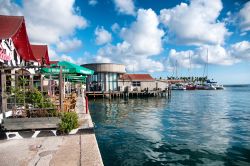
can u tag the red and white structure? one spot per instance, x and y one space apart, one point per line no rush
15 47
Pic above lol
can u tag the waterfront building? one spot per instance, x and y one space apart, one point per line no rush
105 78
15 47
16 51
137 82
41 54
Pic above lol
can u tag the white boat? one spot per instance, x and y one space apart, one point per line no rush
178 87
209 87
219 87
215 85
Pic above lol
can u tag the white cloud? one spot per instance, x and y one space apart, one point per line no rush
64 57
50 22
8 7
123 53
196 23
93 2
244 15
68 45
125 6
212 54
241 50
55 57
141 41
102 36
115 27
216 55
144 34
186 59
47 21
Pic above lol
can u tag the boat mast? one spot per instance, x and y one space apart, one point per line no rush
207 63
189 70
176 74
205 71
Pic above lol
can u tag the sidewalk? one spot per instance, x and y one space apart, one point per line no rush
64 150
80 148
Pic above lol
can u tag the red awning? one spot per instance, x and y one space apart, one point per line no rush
14 27
41 53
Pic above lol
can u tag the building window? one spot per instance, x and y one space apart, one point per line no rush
136 83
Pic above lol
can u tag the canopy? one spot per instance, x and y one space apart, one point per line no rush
69 78
76 78
68 68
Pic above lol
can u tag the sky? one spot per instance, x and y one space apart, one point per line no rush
147 36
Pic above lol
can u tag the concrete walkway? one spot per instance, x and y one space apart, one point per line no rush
70 150
65 150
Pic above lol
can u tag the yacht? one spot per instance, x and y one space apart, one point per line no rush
178 87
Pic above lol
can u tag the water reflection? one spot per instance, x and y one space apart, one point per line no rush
196 127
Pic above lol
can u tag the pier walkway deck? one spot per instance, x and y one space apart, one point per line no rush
63 150
79 148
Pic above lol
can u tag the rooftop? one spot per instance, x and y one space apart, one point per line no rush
41 53
137 77
14 27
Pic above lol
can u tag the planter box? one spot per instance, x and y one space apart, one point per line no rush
15 124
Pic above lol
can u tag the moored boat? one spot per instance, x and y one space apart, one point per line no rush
219 87
190 87
178 87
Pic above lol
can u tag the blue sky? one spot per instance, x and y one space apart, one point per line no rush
145 35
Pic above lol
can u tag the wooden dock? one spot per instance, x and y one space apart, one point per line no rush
131 94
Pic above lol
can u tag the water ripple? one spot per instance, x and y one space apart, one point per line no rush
193 128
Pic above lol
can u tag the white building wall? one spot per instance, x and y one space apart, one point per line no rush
8 46
150 85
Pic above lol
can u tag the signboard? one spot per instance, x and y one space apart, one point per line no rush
3 55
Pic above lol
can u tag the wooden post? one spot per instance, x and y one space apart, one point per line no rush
61 89
87 104
31 81
50 86
41 83
3 95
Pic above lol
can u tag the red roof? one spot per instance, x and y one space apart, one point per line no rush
137 77
41 53
14 27
53 62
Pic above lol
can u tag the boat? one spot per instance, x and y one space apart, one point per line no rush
219 87
216 85
209 87
200 87
190 87
178 87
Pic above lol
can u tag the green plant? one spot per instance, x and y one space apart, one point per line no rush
23 81
69 121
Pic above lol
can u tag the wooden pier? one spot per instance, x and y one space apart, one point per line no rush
131 94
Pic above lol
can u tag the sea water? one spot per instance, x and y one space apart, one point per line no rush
192 128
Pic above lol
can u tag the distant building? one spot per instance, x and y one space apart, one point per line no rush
137 82
105 77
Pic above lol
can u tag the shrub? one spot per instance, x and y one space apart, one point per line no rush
32 96
69 121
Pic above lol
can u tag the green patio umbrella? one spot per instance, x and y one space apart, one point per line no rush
68 68
71 78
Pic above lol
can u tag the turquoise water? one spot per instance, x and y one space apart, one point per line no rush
193 128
